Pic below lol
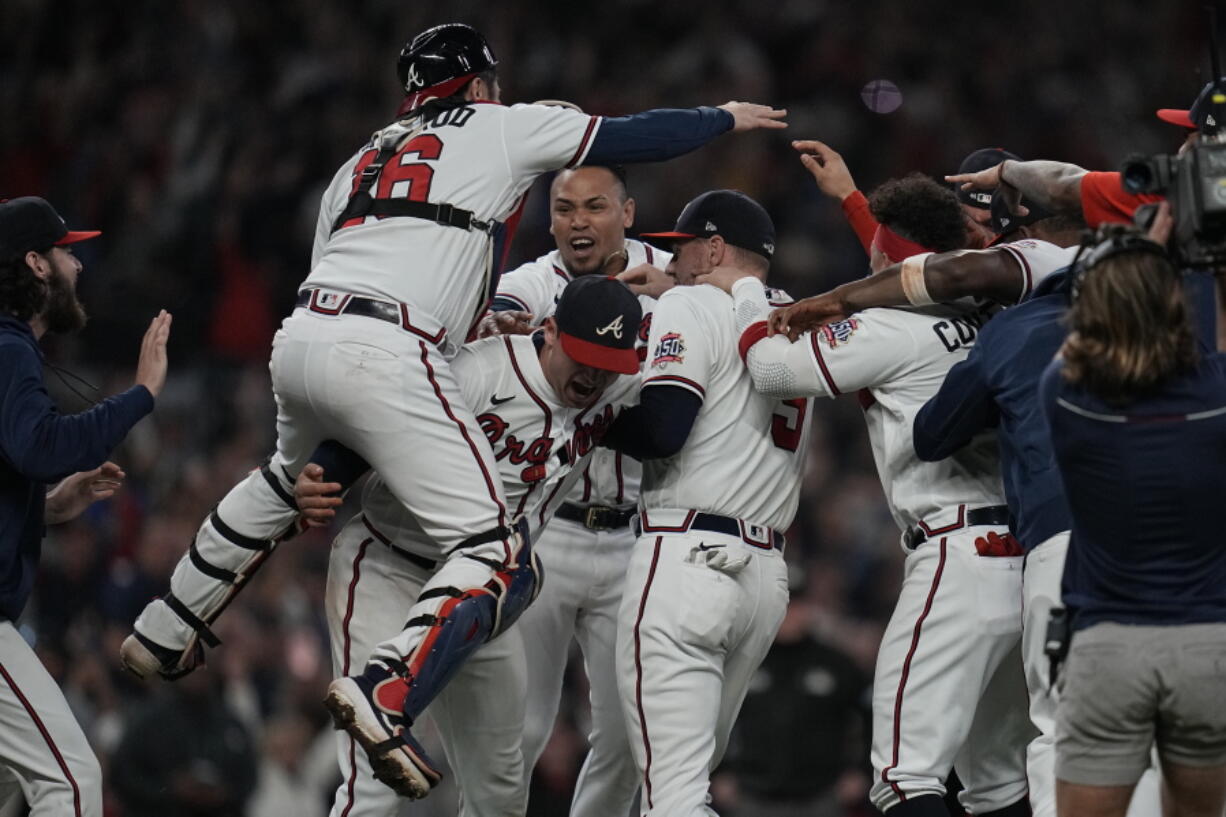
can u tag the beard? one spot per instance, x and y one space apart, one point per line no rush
64 313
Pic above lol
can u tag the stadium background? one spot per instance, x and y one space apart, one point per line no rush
199 134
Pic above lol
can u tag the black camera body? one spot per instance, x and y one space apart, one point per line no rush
1195 184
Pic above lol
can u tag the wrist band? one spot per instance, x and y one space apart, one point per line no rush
912 276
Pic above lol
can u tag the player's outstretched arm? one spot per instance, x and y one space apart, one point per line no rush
665 133
1053 185
990 273
834 179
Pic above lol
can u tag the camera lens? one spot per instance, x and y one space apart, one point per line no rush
1137 177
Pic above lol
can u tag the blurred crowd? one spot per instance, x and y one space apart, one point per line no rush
198 136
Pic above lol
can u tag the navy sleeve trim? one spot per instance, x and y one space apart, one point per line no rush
656 135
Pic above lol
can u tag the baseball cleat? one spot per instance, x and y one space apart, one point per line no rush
144 658
370 708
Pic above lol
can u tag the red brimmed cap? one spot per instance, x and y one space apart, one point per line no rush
30 223
1196 117
598 321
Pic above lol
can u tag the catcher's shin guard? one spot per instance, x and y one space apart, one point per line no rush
238 536
467 619
378 706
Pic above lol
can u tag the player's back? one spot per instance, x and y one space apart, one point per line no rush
922 345
745 452
479 157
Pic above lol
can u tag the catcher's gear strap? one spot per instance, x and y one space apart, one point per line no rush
208 569
235 538
362 203
190 619
277 487
498 534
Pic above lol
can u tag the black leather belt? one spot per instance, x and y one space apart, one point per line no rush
357 305
991 515
714 523
596 517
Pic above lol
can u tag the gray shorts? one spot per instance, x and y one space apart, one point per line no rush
1126 687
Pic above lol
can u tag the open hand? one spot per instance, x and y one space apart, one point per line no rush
317 500
151 367
75 493
646 279
827 168
749 116
804 316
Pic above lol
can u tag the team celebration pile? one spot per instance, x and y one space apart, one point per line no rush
518 538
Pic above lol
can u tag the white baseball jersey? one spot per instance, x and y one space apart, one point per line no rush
481 157
896 359
610 477
536 439
1038 259
745 452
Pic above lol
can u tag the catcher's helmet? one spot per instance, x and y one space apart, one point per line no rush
443 53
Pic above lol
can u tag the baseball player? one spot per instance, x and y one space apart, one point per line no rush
411 234
706 587
587 546
949 689
543 402
44 755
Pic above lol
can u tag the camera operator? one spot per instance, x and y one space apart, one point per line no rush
1137 410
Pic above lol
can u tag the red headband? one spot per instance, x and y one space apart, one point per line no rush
443 89
894 246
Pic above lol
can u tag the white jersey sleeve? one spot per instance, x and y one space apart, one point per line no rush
678 350
539 138
824 362
1036 260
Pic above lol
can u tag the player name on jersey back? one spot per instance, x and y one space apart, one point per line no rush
481 157
896 359
745 453
536 440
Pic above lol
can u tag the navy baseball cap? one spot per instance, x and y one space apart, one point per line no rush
1198 115
598 321
730 214
30 223
981 159
1003 222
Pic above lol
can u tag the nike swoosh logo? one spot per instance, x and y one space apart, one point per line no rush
498 401
703 546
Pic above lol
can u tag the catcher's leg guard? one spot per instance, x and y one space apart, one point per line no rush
239 535
367 705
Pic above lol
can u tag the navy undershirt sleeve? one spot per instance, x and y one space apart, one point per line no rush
658 426
45 446
656 135
957 412
340 464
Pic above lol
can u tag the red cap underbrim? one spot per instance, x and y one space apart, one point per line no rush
622 361
73 236
1177 117
672 235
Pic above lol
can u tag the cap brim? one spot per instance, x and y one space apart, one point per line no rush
1177 117
622 361
74 236
671 235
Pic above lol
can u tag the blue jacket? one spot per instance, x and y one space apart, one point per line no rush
39 447
998 384
1146 485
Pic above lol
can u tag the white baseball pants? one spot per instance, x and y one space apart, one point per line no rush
44 755
388 395
949 689
690 637
1041 592
585 572
479 714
